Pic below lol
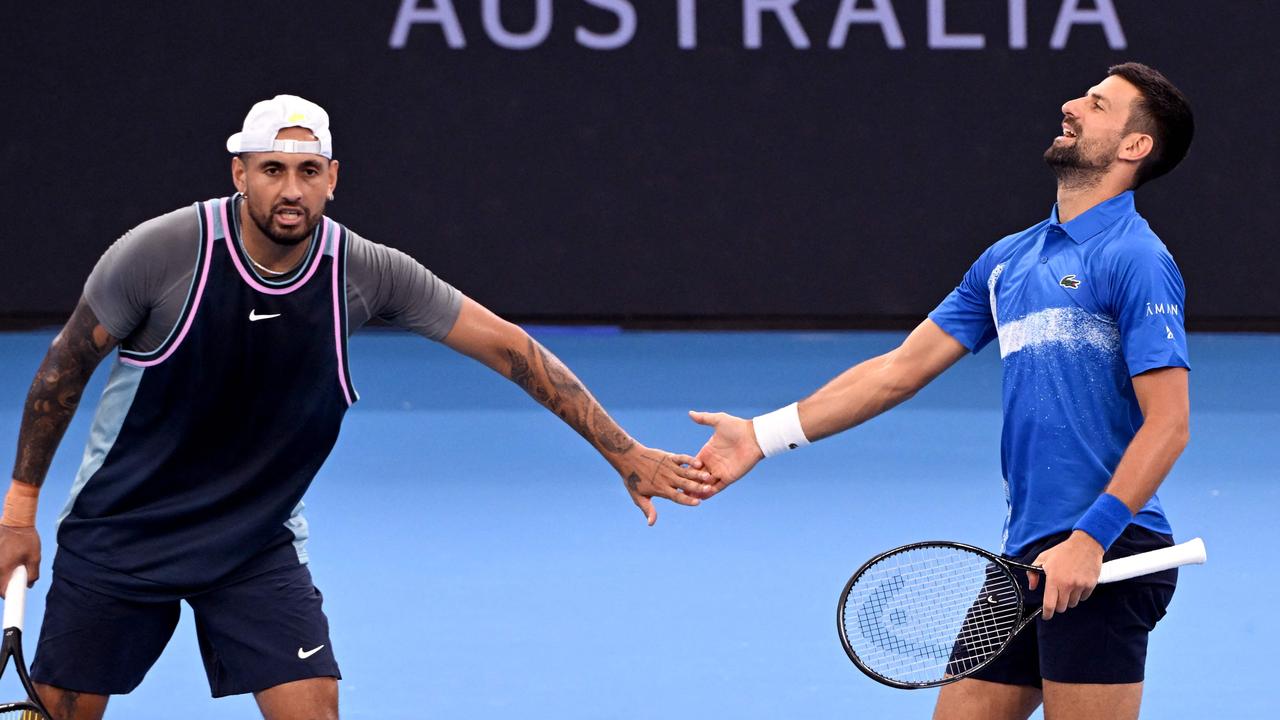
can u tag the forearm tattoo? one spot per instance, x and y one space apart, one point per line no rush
544 377
55 392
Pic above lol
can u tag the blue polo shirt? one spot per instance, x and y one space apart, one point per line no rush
1079 308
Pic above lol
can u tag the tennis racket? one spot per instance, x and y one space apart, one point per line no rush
15 604
930 613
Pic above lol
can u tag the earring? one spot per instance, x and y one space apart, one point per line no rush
330 197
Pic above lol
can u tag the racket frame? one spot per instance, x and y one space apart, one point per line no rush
1190 552
11 646
1009 566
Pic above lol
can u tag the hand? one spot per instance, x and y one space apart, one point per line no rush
732 450
19 546
1071 570
649 473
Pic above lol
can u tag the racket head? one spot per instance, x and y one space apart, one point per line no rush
21 711
929 613
30 708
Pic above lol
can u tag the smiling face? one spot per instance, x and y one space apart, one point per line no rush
285 193
1095 133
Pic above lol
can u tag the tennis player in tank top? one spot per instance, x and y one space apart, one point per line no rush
231 317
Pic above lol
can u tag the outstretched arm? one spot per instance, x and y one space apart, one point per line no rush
509 350
51 402
853 397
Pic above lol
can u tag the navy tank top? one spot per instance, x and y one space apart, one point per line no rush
202 449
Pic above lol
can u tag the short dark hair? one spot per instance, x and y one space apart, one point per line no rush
1163 112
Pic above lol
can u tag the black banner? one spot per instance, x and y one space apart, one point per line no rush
787 161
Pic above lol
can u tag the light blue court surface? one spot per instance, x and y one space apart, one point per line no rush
479 560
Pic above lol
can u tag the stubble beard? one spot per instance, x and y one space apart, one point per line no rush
1079 165
288 238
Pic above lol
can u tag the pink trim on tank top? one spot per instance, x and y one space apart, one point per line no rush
195 305
248 277
337 318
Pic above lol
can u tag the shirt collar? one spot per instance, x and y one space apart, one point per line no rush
1096 219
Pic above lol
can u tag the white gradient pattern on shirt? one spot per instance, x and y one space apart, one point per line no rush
1071 328
991 291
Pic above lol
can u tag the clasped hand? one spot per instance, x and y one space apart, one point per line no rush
1071 569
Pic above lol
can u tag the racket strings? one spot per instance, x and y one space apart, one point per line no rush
930 612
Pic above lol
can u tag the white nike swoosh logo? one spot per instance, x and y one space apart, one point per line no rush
254 316
303 655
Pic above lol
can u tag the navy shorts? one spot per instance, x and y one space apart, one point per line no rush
254 633
1103 640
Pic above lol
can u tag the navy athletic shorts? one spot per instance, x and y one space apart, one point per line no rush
1102 640
254 633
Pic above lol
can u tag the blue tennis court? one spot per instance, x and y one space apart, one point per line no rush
479 560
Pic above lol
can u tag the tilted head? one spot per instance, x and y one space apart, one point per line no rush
1135 123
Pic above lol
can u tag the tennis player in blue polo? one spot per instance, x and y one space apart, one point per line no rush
1087 307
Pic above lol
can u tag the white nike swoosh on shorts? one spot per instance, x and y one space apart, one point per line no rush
304 654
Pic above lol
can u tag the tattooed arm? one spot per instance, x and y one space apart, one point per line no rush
509 350
51 401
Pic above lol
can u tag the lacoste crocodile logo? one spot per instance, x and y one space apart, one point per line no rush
1069 282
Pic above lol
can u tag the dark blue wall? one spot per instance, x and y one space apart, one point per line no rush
714 182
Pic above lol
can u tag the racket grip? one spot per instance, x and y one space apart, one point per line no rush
15 598
1191 552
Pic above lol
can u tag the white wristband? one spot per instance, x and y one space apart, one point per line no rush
780 431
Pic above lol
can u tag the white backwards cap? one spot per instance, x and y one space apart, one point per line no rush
268 117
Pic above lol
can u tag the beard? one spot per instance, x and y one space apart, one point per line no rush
285 236
1082 163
